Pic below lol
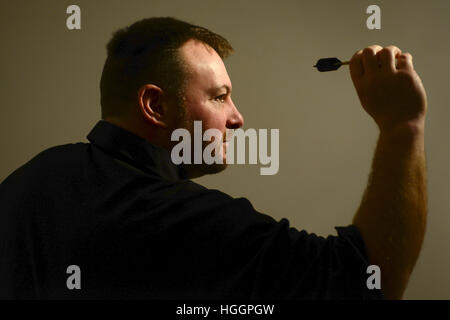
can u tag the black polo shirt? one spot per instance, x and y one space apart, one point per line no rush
121 211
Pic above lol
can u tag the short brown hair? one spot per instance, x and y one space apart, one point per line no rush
147 52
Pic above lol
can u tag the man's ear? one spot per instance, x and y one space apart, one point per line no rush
151 105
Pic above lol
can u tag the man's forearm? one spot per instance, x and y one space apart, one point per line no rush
392 214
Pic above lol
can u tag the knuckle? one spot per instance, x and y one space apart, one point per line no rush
376 47
407 55
392 48
385 52
356 55
368 51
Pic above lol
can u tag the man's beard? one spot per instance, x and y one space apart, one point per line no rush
186 121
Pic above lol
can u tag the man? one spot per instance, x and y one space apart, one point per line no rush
135 226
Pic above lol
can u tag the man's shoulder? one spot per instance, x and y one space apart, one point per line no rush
214 203
64 151
49 162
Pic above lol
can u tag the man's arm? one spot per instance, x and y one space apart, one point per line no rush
392 214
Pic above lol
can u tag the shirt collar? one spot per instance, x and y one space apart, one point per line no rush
135 150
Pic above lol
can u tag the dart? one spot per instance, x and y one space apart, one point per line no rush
329 64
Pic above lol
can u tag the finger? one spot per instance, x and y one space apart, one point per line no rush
386 57
370 58
404 61
356 66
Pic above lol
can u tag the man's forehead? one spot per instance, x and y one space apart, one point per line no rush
194 49
202 61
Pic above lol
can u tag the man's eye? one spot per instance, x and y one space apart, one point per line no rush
221 98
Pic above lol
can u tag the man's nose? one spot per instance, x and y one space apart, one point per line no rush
235 120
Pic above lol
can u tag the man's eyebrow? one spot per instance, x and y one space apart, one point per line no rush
222 87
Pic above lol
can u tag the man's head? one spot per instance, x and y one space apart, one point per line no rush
162 74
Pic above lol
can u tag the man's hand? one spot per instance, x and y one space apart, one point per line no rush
391 93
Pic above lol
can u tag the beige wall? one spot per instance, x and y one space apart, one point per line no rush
50 79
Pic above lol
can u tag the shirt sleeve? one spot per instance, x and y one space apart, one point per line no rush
290 264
